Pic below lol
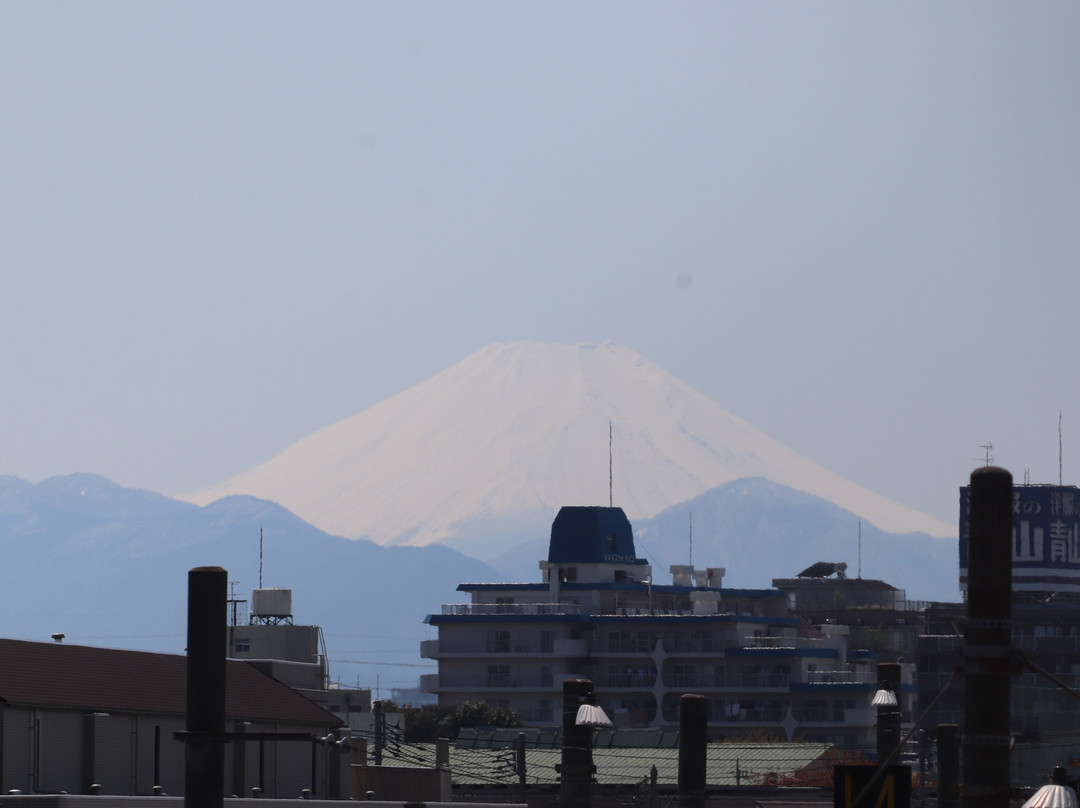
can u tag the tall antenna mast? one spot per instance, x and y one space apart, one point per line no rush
260 556
691 538
610 484
1060 477
860 549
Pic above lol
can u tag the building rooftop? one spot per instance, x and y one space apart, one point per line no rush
727 764
79 677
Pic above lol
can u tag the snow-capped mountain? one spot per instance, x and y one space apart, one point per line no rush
487 451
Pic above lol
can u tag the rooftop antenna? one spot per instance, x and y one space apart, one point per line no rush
1060 478
860 549
610 486
260 555
233 603
1027 475
691 538
989 447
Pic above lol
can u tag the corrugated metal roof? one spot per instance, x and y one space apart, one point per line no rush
79 677
728 764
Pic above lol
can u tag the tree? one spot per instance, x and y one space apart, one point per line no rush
433 721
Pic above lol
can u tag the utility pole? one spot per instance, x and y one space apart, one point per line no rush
380 730
988 661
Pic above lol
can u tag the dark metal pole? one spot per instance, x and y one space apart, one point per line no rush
157 755
987 638
693 750
519 765
204 770
239 767
262 767
924 748
888 717
576 767
948 754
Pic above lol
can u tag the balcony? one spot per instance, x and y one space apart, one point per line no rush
640 680
503 647
479 682
819 715
570 648
693 680
754 680
624 645
831 716
691 646
719 715
783 642
841 678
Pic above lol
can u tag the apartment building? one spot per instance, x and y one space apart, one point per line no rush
599 613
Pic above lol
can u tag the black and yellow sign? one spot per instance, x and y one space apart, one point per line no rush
884 788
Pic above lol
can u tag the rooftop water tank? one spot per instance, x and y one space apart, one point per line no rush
275 602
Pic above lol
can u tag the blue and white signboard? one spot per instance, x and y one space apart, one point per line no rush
1045 537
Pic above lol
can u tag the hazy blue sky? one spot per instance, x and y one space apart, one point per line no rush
854 225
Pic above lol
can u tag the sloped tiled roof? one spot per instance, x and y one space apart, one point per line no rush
79 677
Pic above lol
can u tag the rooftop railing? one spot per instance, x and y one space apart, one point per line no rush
510 608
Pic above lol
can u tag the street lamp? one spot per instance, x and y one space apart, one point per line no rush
592 715
884 698
1056 795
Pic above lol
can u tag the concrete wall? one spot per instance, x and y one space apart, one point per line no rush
51 751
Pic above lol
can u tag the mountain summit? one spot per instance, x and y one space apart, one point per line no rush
488 450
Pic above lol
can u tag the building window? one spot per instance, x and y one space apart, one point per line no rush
243 646
498 642
611 542
547 645
498 675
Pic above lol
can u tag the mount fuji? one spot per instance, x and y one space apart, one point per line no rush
481 456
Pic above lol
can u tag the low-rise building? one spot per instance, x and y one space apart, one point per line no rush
80 720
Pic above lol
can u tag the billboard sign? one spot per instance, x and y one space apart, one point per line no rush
1045 537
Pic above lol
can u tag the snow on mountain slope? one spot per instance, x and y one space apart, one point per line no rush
521 429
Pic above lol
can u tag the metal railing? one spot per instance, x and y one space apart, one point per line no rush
510 608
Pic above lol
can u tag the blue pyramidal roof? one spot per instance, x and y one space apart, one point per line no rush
592 535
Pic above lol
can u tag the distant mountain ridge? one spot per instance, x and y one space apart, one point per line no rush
760 531
107 565
481 455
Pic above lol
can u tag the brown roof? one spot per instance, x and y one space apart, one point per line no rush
80 677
